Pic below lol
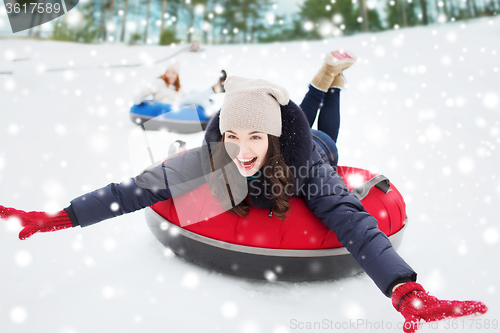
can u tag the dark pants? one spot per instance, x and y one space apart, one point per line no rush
328 105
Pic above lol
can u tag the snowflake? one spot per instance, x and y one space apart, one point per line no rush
270 276
23 258
190 280
491 235
229 309
18 315
417 303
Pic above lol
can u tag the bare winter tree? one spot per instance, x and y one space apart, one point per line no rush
148 4
364 15
111 15
163 12
472 8
124 21
423 6
404 21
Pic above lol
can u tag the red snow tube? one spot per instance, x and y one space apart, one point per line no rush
299 248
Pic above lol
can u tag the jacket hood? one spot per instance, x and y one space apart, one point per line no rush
295 144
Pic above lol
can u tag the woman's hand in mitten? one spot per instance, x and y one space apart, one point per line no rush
415 304
34 222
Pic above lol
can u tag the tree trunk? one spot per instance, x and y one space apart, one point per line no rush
147 22
484 6
163 11
474 4
404 20
111 12
252 29
472 12
39 30
423 6
191 25
438 11
124 21
445 7
103 20
245 37
32 24
364 15
118 5
205 37
451 8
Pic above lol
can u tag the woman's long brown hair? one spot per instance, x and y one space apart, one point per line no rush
177 83
279 179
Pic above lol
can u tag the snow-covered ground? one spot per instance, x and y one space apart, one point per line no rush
422 108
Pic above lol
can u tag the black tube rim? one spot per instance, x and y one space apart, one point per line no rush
174 229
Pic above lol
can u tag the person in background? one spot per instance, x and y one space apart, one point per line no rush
167 89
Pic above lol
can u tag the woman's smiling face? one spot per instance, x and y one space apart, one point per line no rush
252 149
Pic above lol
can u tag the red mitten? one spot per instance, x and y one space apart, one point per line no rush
415 304
34 222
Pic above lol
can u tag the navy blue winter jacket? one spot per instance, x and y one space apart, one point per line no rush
331 201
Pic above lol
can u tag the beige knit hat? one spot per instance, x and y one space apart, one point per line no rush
252 104
175 66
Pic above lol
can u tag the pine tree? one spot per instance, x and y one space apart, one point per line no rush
394 14
315 11
373 21
244 15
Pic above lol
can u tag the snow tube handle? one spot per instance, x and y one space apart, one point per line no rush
381 182
174 150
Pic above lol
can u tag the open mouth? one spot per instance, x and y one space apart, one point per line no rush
248 163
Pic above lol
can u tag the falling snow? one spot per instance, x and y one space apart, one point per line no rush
420 107
18 315
229 309
491 235
23 258
190 280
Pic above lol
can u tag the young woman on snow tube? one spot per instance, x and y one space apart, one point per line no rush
168 100
262 246
266 138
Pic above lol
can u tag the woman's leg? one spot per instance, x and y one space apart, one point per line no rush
334 63
202 97
197 97
327 145
329 114
311 103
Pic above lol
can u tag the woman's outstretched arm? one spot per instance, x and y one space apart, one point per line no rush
358 231
172 177
328 197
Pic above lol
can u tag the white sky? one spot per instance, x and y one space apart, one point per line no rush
288 6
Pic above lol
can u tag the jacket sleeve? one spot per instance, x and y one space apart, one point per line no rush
327 196
180 95
151 88
170 178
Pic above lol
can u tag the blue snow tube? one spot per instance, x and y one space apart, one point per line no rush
170 117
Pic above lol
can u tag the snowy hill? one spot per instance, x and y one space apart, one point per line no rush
422 107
